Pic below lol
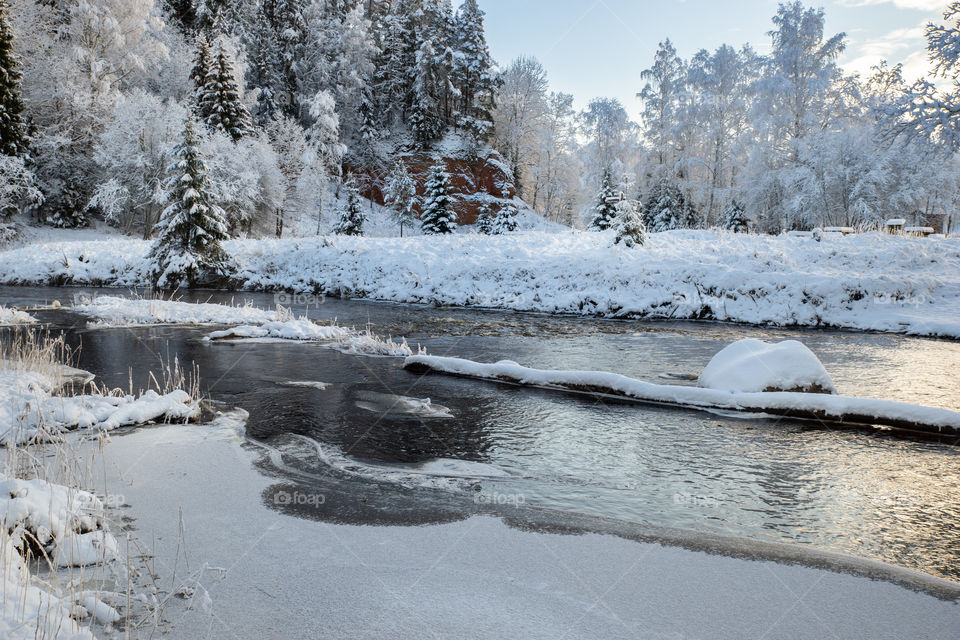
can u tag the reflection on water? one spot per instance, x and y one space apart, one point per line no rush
863 493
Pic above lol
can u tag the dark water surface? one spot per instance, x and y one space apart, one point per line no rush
870 494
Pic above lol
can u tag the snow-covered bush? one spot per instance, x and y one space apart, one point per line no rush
352 216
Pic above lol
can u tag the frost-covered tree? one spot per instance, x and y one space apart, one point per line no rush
324 134
188 248
506 220
930 109
264 75
13 131
18 187
485 220
352 216
401 195
609 129
392 77
662 97
521 106
628 225
290 143
220 103
734 218
134 154
438 216
605 206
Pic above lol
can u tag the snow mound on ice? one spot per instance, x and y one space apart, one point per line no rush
115 311
750 366
301 330
12 316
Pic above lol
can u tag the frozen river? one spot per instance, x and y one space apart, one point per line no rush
517 451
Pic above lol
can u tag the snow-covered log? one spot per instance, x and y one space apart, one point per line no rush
804 406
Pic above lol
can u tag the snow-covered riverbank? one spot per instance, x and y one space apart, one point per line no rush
868 281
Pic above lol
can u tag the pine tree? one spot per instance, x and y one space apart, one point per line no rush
352 218
291 30
221 103
400 195
734 218
605 209
437 216
472 73
485 220
628 225
188 248
13 131
506 220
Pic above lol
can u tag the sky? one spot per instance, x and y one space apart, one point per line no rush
597 48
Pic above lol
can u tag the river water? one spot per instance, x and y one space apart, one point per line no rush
866 493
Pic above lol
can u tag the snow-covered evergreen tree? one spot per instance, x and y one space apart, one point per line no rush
13 131
264 72
485 220
352 217
324 134
666 209
628 225
506 220
734 218
220 102
188 247
400 195
438 216
605 207
393 75
425 110
473 73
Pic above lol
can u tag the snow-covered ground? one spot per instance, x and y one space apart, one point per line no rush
867 281
14 316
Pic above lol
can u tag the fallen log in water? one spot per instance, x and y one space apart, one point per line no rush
804 406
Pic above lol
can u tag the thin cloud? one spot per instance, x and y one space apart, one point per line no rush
921 5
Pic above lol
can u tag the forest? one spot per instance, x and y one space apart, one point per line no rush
299 105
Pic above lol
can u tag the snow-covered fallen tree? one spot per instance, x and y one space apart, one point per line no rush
814 406
866 281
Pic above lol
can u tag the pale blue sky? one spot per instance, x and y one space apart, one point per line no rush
594 48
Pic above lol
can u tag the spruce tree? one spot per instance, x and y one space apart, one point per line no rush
666 208
202 63
485 220
437 216
628 225
734 218
400 195
188 248
506 220
352 217
425 109
605 209
13 131
220 102
264 72
473 74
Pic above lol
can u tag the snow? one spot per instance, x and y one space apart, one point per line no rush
868 281
30 411
393 405
302 330
13 316
753 365
834 406
115 311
